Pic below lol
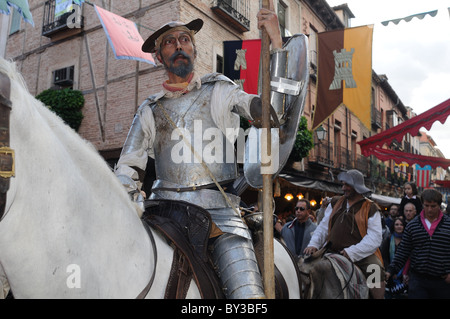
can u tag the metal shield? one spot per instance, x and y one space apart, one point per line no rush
293 86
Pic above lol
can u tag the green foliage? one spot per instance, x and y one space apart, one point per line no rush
304 141
66 103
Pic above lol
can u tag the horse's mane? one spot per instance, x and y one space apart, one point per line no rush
51 119
53 130
10 69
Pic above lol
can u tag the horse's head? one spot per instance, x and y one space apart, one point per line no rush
313 268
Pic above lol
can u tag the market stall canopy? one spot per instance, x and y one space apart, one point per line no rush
444 184
400 157
385 200
373 145
312 183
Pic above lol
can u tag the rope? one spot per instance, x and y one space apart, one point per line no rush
198 157
143 26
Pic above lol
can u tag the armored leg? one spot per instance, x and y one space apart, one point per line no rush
235 260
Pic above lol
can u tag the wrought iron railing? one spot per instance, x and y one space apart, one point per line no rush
376 118
323 154
237 10
52 24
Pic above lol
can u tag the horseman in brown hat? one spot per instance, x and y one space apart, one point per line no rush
352 227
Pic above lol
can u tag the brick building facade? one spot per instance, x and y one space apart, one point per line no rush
113 89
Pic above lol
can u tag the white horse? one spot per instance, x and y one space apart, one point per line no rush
70 229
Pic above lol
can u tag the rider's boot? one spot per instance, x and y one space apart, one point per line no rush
235 261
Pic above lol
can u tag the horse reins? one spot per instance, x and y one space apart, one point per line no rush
6 153
303 295
149 285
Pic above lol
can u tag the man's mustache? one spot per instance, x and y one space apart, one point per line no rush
178 54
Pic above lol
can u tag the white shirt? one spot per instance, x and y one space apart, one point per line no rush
366 247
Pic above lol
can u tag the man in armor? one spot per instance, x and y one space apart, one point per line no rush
173 127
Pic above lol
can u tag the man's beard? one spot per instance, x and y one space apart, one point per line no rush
182 70
351 194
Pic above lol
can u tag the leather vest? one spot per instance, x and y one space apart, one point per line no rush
175 162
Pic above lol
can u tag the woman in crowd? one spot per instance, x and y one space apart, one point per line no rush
395 288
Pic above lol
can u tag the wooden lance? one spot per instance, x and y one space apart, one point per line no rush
268 275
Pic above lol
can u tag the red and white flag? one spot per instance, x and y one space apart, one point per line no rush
123 36
423 176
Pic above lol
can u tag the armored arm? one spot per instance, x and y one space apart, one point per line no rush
130 168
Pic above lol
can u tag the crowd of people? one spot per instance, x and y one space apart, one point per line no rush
350 225
409 240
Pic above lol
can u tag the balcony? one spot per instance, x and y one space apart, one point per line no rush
322 155
235 12
344 159
70 22
362 164
376 118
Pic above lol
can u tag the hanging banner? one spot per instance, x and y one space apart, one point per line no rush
241 63
123 36
344 73
423 176
63 6
21 6
419 16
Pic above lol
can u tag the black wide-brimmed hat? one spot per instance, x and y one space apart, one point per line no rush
150 44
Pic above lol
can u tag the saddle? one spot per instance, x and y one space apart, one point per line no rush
187 227
353 282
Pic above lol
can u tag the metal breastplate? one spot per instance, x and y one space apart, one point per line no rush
175 161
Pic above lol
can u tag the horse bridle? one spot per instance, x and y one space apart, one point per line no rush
308 286
6 153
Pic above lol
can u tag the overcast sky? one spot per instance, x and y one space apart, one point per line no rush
414 55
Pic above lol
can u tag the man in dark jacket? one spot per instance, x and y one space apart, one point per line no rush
297 233
426 242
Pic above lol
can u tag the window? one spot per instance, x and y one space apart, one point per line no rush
15 21
219 63
395 119
282 8
353 146
312 39
64 77
337 142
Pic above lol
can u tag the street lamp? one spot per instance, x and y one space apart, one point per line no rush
321 133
